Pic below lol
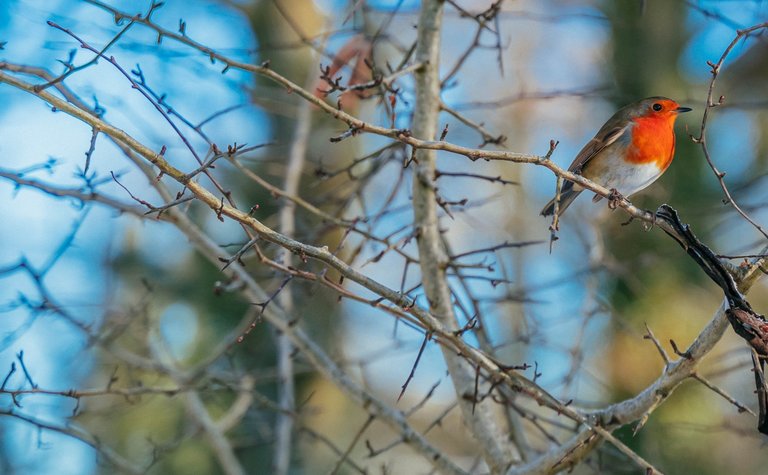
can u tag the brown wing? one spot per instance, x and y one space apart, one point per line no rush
603 139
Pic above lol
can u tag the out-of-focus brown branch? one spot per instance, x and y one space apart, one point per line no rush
78 433
287 226
219 443
82 196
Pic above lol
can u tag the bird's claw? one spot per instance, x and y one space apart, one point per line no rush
614 198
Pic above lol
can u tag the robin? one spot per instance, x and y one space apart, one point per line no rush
629 152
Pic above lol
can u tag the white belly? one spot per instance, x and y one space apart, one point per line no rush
613 172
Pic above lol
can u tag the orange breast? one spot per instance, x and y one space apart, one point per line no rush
653 141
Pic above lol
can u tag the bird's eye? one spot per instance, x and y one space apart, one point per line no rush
657 107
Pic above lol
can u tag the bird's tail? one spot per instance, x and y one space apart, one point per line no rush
566 198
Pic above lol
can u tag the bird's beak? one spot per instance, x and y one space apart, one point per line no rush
680 110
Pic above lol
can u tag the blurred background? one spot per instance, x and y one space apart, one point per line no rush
87 294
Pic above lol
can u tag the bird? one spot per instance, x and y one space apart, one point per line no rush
631 151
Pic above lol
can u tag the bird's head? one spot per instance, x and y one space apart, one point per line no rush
657 107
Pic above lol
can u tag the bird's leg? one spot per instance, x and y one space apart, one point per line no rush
614 198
